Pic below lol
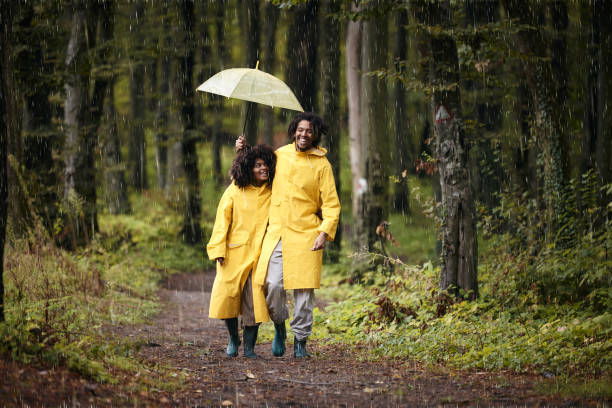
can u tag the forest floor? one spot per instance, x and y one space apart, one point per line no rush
184 342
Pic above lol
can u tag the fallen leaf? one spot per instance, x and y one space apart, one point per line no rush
227 403
250 375
369 390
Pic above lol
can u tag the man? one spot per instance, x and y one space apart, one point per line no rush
304 214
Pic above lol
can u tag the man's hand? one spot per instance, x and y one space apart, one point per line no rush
319 242
240 143
220 260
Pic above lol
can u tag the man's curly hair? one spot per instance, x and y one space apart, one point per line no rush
318 126
244 162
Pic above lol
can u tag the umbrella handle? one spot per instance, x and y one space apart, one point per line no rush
246 117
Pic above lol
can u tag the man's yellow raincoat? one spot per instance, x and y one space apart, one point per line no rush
304 203
239 229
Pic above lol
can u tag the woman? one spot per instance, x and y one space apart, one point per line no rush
235 243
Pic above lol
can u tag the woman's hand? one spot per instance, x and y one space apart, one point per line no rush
220 260
319 242
240 143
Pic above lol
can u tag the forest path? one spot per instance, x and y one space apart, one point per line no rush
182 340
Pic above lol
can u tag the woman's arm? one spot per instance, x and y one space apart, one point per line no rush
216 246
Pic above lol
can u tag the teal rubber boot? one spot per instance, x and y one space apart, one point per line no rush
250 338
299 349
234 338
280 334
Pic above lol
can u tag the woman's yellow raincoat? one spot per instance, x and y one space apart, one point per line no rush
304 203
239 229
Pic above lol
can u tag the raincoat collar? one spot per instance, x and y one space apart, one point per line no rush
316 151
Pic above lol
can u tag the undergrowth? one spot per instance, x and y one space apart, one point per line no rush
59 304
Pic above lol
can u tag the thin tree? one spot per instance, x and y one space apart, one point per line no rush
374 145
330 73
137 147
272 13
191 231
249 14
5 71
163 104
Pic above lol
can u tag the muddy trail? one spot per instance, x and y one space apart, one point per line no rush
183 340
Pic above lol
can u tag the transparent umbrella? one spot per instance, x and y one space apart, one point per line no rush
252 85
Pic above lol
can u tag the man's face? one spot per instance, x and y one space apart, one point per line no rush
303 136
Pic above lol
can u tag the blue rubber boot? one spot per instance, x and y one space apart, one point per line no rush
234 338
280 334
299 349
249 336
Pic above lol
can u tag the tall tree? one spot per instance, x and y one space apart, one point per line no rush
191 231
137 147
353 91
302 41
163 101
401 150
458 267
252 34
217 101
272 13
330 73
5 71
374 146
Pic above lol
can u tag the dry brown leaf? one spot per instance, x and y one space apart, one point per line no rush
227 403
250 375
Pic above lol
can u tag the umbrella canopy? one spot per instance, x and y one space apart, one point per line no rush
252 85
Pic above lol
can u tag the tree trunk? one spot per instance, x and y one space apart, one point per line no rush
217 101
353 90
401 150
458 267
330 70
374 145
191 231
5 91
114 177
79 187
163 105
250 115
272 13
137 146
39 133
302 40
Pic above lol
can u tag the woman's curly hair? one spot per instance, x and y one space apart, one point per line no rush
319 127
244 162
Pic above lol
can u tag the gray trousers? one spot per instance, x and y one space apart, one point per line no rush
276 298
247 311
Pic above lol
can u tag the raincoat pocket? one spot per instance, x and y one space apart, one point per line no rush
237 239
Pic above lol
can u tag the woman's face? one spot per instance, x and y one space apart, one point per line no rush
260 172
304 135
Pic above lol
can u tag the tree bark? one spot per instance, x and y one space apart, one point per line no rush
458 267
353 90
217 101
114 177
163 105
401 150
302 40
330 70
374 145
191 231
137 146
272 13
5 72
252 34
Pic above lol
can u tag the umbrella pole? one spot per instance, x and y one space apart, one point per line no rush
246 117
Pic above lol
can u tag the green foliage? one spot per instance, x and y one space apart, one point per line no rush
58 302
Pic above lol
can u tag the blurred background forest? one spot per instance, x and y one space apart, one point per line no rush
472 134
